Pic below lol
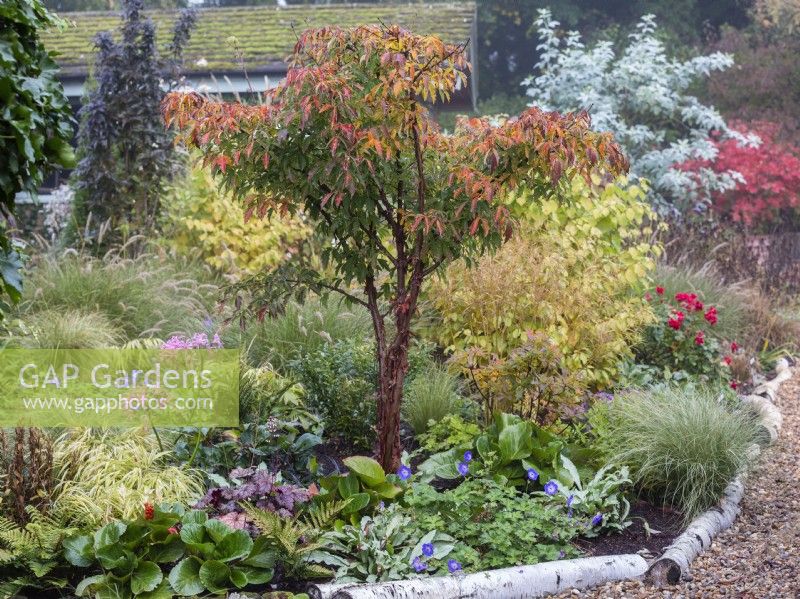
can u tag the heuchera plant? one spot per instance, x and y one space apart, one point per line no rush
682 337
770 189
347 139
258 487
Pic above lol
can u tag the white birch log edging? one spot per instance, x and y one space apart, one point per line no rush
538 580
676 559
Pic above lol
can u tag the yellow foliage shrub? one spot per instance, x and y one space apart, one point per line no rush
575 270
201 217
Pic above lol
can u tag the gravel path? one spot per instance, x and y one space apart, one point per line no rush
759 556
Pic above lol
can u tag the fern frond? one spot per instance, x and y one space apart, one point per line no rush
322 515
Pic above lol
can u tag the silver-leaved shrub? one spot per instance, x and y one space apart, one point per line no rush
642 96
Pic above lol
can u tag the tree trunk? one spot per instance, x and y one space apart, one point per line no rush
393 365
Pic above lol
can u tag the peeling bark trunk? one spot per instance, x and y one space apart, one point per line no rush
522 582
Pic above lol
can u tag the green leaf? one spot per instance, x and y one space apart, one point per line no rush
387 490
185 577
357 503
195 517
109 534
87 583
235 545
367 469
442 465
261 556
79 550
146 577
193 534
168 552
348 485
117 558
217 529
215 576
238 578
256 575
514 442
163 591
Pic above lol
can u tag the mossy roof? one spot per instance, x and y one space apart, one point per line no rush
266 34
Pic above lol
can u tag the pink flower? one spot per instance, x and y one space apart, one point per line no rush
648 297
700 338
711 315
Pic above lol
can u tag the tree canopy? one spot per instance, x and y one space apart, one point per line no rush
347 139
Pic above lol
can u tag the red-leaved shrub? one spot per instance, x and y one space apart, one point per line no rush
771 191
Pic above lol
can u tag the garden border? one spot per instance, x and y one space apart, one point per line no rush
540 580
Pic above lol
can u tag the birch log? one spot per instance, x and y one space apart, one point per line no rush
675 560
538 580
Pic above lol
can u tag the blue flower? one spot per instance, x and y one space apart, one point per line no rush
551 488
453 565
570 499
427 549
463 468
419 565
561 554
404 472
597 519
532 474
467 456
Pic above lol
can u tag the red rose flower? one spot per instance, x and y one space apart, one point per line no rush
689 301
700 338
660 290
734 385
149 511
727 360
711 315
734 346
677 320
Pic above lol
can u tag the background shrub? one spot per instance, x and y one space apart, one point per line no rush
202 218
769 196
340 380
568 273
659 126
683 446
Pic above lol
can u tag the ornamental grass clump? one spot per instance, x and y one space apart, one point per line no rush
100 477
146 296
682 446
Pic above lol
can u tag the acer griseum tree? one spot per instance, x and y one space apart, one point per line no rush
347 139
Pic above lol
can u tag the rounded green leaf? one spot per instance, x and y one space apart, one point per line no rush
235 545
87 583
109 534
217 529
79 550
185 577
215 576
367 469
146 577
